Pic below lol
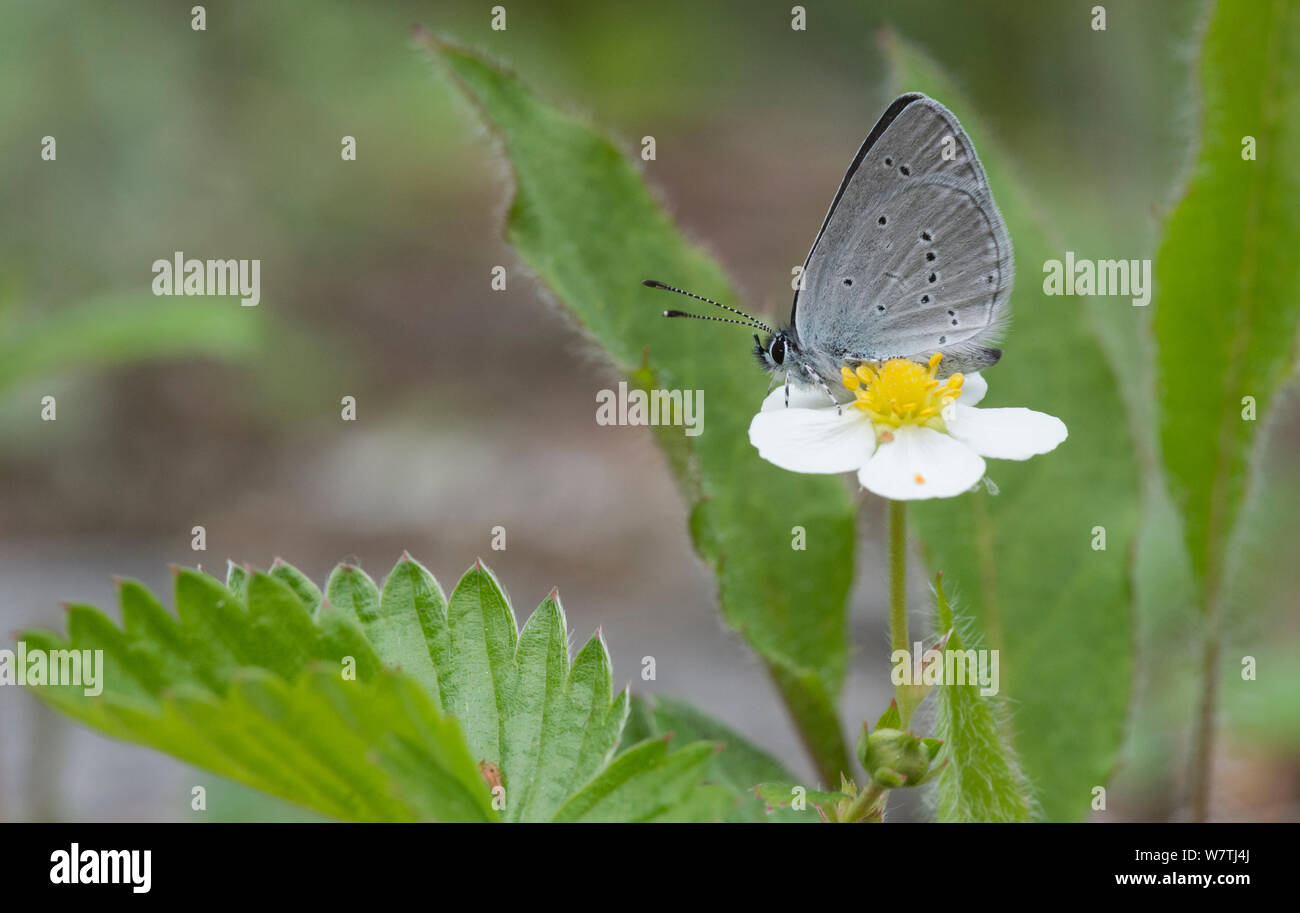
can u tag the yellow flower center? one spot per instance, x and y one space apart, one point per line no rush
902 392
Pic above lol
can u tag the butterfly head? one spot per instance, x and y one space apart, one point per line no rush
777 351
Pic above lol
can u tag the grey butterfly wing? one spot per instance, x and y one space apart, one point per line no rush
912 234
933 277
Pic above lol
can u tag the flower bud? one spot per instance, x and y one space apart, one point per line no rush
894 758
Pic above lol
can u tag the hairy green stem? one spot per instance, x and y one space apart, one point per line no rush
898 639
864 802
1203 738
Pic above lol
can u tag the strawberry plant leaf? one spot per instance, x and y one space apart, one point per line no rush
648 783
981 779
378 703
1227 313
738 765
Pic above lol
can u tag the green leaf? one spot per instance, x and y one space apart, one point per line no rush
738 765
297 581
647 783
584 220
480 684
981 779
122 328
306 741
548 725
226 687
253 685
237 578
1228 276
1228 309
565 726
412 626
1059 612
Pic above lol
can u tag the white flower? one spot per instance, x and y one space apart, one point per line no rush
907 435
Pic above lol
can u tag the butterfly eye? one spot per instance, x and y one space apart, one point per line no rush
778 350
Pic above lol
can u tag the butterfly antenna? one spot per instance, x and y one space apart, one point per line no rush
717 319
749 321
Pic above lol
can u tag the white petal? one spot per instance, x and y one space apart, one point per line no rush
813 440
802 396
1006 434
973 388
921 463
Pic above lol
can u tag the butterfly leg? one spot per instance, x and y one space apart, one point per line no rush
839 409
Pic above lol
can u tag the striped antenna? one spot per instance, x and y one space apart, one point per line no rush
739 323
748 321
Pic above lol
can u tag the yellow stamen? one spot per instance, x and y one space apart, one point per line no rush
903 392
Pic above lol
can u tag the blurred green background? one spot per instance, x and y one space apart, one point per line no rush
375 283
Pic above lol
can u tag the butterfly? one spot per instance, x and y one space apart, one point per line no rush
912 258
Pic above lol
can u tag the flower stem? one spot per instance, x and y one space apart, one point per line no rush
1203 736
898 639
864 802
